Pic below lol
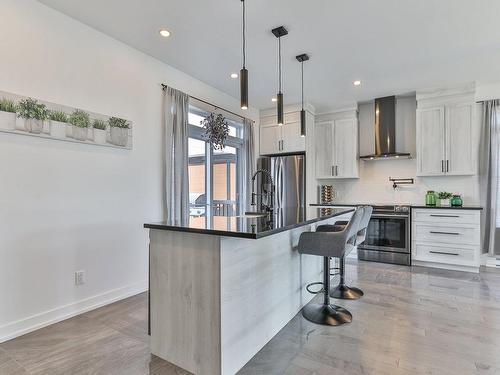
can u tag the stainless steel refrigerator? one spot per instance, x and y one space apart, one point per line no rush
289 178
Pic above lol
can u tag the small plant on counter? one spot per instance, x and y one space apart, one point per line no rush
119 131
8 105
444 198
58 120
58 116
81 122
99 124
80 119
34 114
8 111
116 122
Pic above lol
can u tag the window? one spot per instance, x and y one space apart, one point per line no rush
213 174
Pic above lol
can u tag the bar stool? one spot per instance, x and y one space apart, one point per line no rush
329 244
342 291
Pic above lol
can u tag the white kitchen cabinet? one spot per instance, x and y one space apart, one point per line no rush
336 144
446 238
445 140
281 139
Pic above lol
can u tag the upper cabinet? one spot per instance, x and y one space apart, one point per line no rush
336 144
281 139
445 137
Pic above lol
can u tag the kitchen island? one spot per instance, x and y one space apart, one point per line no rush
222 287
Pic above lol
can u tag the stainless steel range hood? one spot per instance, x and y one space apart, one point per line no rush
385 130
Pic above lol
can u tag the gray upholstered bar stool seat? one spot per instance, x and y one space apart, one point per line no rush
342 291
329 244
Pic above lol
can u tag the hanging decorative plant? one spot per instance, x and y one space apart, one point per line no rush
216 130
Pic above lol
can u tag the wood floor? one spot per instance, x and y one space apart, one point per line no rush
410 321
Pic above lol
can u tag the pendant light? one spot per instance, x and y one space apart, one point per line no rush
301 59
244 71
278 33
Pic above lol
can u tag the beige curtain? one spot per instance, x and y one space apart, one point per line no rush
175 157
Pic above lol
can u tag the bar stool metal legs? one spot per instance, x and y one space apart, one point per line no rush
342 291
325 313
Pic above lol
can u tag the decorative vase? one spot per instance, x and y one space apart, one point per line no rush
8 120
430 198
119 136
80 134
444 202
99 136
33 125
456 201
57 129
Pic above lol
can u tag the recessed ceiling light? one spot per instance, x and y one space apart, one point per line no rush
356 83
273 99
234 75
165 33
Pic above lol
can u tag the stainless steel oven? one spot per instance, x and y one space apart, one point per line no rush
388 236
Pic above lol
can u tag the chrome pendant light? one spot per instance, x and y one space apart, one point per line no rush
278 33
301 59
244 71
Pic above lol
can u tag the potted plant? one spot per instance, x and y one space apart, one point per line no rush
81 122
34 114
444 198
58 122
99 131
119 131
8 111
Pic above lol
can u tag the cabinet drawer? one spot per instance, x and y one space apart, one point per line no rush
446 234
445 254
446 216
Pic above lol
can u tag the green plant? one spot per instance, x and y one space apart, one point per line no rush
80 119
116 122
99 124
30 109
58 116
444 195
8 105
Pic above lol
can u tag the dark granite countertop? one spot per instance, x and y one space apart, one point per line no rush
250 227
411 205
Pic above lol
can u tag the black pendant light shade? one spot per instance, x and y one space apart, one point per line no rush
301 59
244 71
279 98
244 88
278 33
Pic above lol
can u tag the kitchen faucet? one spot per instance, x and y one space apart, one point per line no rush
270 195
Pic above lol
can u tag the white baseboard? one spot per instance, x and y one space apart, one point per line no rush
37 321
492 261
444 266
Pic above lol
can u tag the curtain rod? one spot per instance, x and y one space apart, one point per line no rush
210 104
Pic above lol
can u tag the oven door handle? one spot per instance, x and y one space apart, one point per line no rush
375 216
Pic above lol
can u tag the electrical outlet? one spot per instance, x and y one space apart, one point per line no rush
79 277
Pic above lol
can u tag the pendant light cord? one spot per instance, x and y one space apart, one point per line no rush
302 67
279 63
244 35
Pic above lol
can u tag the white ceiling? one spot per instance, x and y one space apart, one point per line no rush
393 46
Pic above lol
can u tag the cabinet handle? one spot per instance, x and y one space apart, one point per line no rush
453 233
333 170
442 165
447 165
442 252
437 215
336 170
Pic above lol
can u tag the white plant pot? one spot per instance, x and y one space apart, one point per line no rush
80 134
444 202
100 136
33 125
119 136
57 129
69 130
8 120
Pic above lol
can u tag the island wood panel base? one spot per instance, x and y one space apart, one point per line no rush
216 301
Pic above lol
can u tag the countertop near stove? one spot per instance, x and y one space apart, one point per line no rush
411 205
